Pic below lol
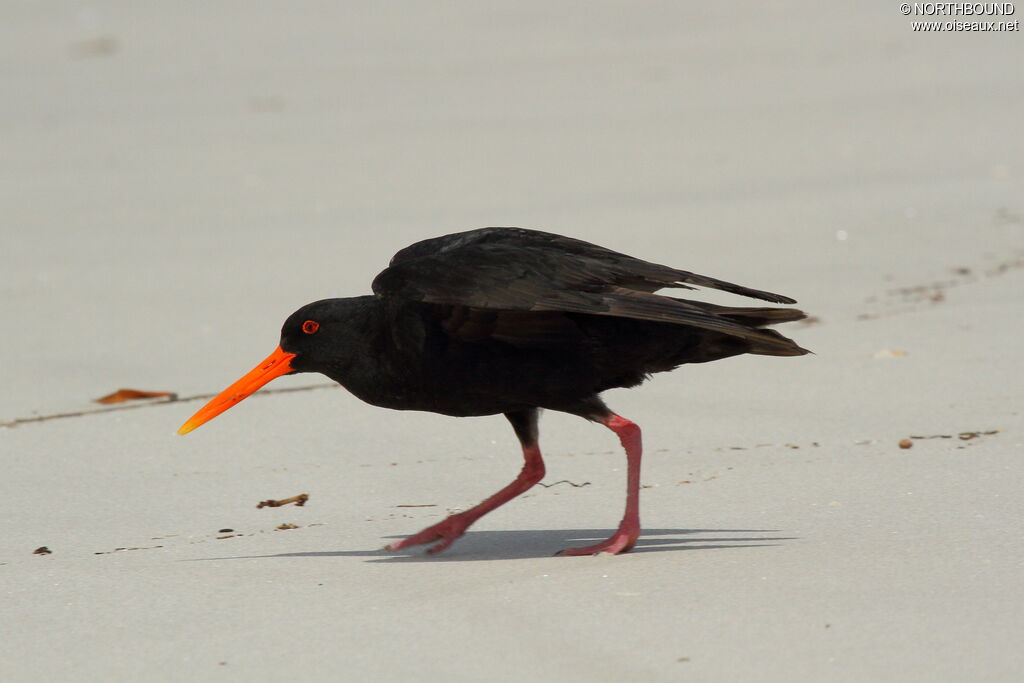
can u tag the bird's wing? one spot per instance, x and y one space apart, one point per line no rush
525 270
568 260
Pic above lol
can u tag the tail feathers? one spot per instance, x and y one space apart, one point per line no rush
758 318
784 347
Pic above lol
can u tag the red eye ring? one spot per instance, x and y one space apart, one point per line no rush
310 326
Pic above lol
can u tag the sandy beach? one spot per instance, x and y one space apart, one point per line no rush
177 180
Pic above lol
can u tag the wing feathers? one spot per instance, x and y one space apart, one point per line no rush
641 306
513 269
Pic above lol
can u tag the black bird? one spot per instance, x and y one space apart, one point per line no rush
509 320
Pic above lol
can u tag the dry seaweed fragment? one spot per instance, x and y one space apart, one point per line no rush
963 436
122 395
117 550
299 501
565 481
967 436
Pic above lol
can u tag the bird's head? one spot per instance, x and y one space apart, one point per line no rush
310 339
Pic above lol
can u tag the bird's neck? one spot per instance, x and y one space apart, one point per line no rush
383 355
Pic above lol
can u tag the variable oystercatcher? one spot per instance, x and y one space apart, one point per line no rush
509 320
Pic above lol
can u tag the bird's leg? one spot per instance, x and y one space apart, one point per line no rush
629 528
446 531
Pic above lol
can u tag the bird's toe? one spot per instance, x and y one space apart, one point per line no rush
446 532
621 541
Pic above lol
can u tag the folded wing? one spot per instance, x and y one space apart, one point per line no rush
514 269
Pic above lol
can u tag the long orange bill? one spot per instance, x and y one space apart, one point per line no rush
278 363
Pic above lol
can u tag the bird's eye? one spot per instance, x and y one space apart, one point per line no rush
310 326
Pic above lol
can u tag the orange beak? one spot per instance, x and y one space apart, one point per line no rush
278 363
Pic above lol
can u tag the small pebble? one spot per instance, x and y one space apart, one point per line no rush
906 443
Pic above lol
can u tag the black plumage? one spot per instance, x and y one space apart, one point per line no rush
508 320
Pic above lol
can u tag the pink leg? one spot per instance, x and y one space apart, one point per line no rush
624 539
454 526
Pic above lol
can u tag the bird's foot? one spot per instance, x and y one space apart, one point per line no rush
621 541
447 531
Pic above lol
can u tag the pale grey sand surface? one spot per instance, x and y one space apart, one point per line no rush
177 179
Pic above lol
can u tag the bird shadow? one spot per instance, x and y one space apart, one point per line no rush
477 546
